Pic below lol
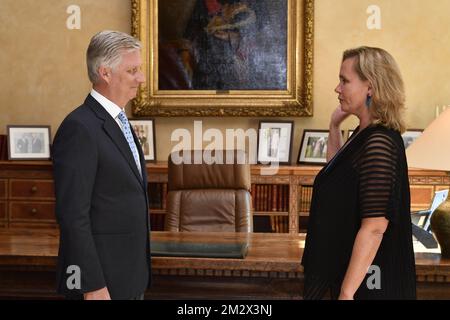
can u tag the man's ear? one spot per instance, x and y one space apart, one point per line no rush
105 73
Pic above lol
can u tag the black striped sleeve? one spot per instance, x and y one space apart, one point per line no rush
378 177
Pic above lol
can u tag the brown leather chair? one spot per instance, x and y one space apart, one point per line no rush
209 197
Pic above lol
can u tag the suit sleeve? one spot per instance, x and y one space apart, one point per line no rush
75 158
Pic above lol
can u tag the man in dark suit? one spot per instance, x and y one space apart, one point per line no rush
101 182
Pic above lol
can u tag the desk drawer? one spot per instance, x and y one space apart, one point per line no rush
2 189
32 211
32 189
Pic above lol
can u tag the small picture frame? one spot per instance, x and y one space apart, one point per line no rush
313 148
275 141
145 132
28 142
410 135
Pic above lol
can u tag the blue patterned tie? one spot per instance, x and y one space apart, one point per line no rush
130 140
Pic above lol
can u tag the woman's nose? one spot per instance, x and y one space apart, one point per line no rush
337 89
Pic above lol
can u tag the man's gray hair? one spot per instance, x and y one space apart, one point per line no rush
106 48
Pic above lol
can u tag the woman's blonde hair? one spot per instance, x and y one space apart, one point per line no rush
388 94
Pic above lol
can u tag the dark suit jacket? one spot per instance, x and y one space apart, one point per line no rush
101 205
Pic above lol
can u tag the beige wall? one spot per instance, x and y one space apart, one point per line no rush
43 73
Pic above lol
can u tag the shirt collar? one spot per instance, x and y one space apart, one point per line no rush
112 108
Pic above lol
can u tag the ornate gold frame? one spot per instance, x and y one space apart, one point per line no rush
296 101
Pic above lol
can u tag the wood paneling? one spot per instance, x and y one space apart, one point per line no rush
421 196
3 189
2 211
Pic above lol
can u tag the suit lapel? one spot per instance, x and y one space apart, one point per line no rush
115 133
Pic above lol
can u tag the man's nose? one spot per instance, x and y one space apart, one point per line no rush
140 77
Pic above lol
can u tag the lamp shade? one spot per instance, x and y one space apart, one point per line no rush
432 149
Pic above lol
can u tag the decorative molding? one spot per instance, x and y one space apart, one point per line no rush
435 278
226 273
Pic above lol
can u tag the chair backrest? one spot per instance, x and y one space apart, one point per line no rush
209 191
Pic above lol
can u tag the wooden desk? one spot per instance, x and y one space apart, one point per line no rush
271 269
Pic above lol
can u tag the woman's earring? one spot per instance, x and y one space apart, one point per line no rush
368 101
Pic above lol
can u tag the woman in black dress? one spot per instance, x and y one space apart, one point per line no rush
359 241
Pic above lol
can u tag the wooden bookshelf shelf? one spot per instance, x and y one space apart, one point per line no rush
271 213
303 214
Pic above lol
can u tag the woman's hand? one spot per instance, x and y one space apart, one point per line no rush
338 116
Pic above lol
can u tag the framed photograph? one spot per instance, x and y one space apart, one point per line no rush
313 148
225 57
28 142
275 141
410 135
145 132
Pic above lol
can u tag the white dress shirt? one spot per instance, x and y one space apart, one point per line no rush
113 110
110 107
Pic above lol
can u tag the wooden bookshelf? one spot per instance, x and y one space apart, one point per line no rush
296 183
280 201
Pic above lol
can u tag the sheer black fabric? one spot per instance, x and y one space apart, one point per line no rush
367 178
378 173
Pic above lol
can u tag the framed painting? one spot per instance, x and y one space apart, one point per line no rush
225 57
